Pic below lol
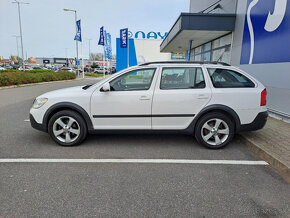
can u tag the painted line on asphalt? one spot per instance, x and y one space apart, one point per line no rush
27 120
152 161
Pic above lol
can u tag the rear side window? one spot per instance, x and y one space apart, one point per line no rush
182 78
224 78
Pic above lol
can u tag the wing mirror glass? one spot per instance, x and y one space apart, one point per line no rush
106 87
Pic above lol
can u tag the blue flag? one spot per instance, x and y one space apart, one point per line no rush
101 40
107 44
78 36
124 38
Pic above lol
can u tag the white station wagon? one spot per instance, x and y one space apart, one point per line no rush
209 100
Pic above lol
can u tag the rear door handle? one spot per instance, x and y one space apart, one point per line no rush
144 97
202 96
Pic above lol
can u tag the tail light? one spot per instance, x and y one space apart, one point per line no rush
263 97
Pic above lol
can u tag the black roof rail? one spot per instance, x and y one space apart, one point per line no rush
185 62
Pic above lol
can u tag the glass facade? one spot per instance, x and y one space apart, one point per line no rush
216 50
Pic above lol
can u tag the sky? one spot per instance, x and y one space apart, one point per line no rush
48 31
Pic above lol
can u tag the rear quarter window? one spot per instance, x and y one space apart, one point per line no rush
224 78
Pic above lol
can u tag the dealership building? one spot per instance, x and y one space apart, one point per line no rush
251 34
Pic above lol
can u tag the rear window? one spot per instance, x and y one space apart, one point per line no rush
224 78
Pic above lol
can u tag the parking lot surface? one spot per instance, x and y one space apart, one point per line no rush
116 189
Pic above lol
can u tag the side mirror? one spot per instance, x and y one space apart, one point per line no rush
106 87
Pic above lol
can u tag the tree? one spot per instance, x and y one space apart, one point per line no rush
94 65
96 56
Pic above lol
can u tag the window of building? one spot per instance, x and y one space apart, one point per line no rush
206 47
223 78
216 50
182 78
225 40
134 80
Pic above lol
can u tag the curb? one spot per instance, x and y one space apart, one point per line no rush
41 83
273 161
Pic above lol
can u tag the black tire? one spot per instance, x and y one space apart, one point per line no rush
78 122
210 118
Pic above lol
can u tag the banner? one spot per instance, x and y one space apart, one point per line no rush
101 40
124 38
108 46
78 36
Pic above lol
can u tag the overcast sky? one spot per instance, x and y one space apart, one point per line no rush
48 30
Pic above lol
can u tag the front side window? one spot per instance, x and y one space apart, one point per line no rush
135 80
223 78
182 78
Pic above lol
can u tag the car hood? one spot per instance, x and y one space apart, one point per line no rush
62 92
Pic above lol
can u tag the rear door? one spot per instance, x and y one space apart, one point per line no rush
180 93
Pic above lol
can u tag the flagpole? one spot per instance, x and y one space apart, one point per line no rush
104 62
128 50
82 59
77 45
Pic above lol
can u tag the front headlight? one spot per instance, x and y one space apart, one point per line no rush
39 102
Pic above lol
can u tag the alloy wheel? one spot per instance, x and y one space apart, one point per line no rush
215 131
66 129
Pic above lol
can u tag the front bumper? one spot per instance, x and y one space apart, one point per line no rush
35 125
258 123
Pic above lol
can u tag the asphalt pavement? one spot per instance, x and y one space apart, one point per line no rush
118 189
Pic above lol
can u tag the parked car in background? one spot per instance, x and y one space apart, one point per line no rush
67 69
211 101
26 67
2 68
101 70
113 70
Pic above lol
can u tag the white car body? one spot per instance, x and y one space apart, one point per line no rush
156 109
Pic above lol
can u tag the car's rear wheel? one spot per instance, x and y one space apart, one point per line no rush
214 130
67 128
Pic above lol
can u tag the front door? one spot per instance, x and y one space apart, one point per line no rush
128 104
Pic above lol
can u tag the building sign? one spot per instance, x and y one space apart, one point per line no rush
60 60
266 32
178 56
150 35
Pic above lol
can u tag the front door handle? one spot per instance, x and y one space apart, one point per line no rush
144 97
202 96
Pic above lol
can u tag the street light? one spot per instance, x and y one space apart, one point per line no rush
20 28
16 37
77 59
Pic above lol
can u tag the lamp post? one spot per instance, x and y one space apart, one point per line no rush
77 45
20 29
16 37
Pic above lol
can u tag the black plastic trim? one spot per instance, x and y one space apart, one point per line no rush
36 125
67 105
190 129
140 116
258 123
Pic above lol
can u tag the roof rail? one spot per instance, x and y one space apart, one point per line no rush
185 62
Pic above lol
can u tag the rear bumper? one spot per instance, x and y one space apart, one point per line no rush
35 125
258 123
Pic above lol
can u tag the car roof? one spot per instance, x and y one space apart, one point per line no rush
184 62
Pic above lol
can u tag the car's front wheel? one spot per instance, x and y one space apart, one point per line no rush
214 130
67 128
